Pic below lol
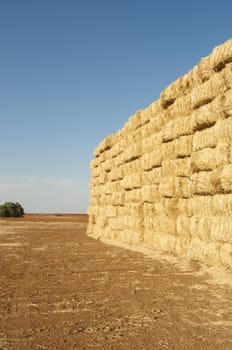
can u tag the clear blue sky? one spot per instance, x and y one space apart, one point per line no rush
73 71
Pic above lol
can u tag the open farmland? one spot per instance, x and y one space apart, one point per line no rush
60 289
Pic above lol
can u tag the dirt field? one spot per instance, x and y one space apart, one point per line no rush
60 289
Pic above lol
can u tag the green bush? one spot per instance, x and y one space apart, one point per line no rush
10 209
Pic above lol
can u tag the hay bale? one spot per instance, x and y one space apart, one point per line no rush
206 92
227 104
168 150
202 205
183 226
221 56
132 222
221 229
151 143
222 204
134 209
206 183
165 242
226 178
178 127
111 211
175 187
178 88
226 255
134 196
209 158
152 176
151 160
184 146
131 181
185 207
181 247
207 115
180 108
150 193
203 71
170 206
200 227
146 115
177 167
206 138
223 130
118 198
152 209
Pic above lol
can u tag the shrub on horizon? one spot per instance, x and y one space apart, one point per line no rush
10 209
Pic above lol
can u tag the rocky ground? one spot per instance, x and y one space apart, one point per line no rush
60 289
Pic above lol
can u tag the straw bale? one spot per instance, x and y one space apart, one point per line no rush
183 226
102 221
200 227
111 211
170 206
151 160
116 223
131 236
168 150
177 167
223 130
203 71
179 87
221 55
161 224
134 209
153 176
207 91
179 127
227 104
203 160
105 199
132 181
131 168
146 115
152 142
132 222
134 196
180 108
153 126
202 205
209 158
222 204
118 198
182 244
183 146
207 115
221 229
185 207
150 193
175 187
226 255
205 138
227 75
165 242
196 250
133 152
226 178
152 209
206 183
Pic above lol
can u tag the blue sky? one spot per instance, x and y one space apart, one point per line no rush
73 71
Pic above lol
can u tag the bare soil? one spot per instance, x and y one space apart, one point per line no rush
60 289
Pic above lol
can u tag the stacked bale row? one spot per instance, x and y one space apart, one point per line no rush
165 179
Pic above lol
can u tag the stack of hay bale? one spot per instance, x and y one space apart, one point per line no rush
165 178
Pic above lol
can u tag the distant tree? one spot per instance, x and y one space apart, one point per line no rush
10 209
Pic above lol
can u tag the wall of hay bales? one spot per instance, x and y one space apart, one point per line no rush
165 178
